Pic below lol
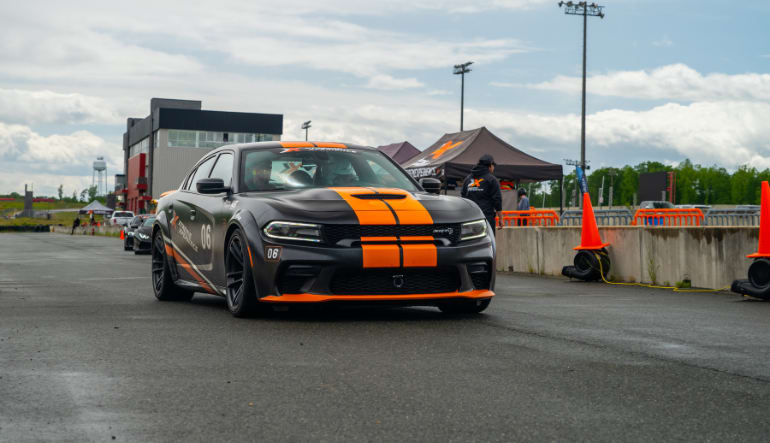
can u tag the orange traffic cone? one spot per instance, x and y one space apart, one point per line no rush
764 224
122 235
590 239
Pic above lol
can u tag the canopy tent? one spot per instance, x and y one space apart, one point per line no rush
98 208
453 156
400 152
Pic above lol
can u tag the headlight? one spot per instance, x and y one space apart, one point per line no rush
143 236
282 230
474 229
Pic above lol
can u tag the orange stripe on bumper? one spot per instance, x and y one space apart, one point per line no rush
315 298
420 255
381 256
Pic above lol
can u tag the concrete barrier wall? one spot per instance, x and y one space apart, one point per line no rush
86 230
709 257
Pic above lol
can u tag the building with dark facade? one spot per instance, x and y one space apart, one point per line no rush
160 149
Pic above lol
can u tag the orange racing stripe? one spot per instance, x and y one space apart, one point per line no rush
409 210
330 145
369 212
190 270
297 144
422 255
381 256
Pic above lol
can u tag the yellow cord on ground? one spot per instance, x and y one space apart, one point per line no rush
644 285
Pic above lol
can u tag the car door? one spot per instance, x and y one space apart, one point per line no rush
213 214
186 223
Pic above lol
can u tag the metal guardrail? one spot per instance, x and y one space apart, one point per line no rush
666 217
604 217
530 217
732 217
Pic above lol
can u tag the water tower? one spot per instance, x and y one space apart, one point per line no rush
99 177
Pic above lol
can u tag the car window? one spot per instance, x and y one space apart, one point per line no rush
202 172
122 214
148 221
223 169
188 180
296 168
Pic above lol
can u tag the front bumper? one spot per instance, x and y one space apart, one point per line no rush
141 245
312 274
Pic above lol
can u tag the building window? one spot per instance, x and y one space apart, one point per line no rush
182 139
178 138
141 147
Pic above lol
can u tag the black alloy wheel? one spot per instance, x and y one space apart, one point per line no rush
241 294
162 283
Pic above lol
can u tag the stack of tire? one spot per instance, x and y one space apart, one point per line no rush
758 283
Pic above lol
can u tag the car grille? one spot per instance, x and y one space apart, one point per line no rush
387 281
335 233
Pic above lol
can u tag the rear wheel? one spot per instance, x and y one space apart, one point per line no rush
162 282
464 306
241 293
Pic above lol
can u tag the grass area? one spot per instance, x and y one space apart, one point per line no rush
59 218
40 206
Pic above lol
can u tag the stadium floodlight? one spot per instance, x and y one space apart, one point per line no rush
306 126
461 70
585 9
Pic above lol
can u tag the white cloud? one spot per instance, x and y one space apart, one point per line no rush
727 133
31 152
31 107
387 82
672 82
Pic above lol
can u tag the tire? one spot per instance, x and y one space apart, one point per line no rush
126 246
241 294
162 283
464 307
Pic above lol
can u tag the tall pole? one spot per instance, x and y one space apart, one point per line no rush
585 9
583 113
460 70
462 99
306 125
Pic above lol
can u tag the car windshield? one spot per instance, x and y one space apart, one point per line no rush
122 214
301 168
149 221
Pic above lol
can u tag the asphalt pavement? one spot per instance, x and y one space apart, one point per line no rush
88 354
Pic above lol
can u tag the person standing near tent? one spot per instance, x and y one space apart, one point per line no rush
482 188
523 205
75 224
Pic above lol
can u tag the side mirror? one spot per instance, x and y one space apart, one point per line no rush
211 186
431 185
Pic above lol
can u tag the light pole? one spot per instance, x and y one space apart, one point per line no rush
306 126
460 70
585 9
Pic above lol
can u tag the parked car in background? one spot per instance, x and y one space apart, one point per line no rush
656 204
143 235
704 208
121 217
130 228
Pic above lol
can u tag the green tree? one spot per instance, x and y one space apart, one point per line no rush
92 193
61 191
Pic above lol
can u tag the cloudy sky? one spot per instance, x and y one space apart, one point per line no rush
667 80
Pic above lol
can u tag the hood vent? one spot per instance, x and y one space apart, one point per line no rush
380 196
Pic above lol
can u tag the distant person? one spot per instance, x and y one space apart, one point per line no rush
75 224
523 205
482 188
91 218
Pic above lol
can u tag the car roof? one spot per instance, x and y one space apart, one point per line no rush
292 144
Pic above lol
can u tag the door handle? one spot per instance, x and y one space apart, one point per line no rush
192 213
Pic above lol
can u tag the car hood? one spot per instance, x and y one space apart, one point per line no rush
366 205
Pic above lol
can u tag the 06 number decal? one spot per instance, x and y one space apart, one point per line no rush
206 236
272 253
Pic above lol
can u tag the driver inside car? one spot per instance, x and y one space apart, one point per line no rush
257 177
343 174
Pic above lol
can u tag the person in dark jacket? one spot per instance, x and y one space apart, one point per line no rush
483 188
523 205
75 224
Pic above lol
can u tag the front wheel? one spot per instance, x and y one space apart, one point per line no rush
162 283
464 306
241 293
